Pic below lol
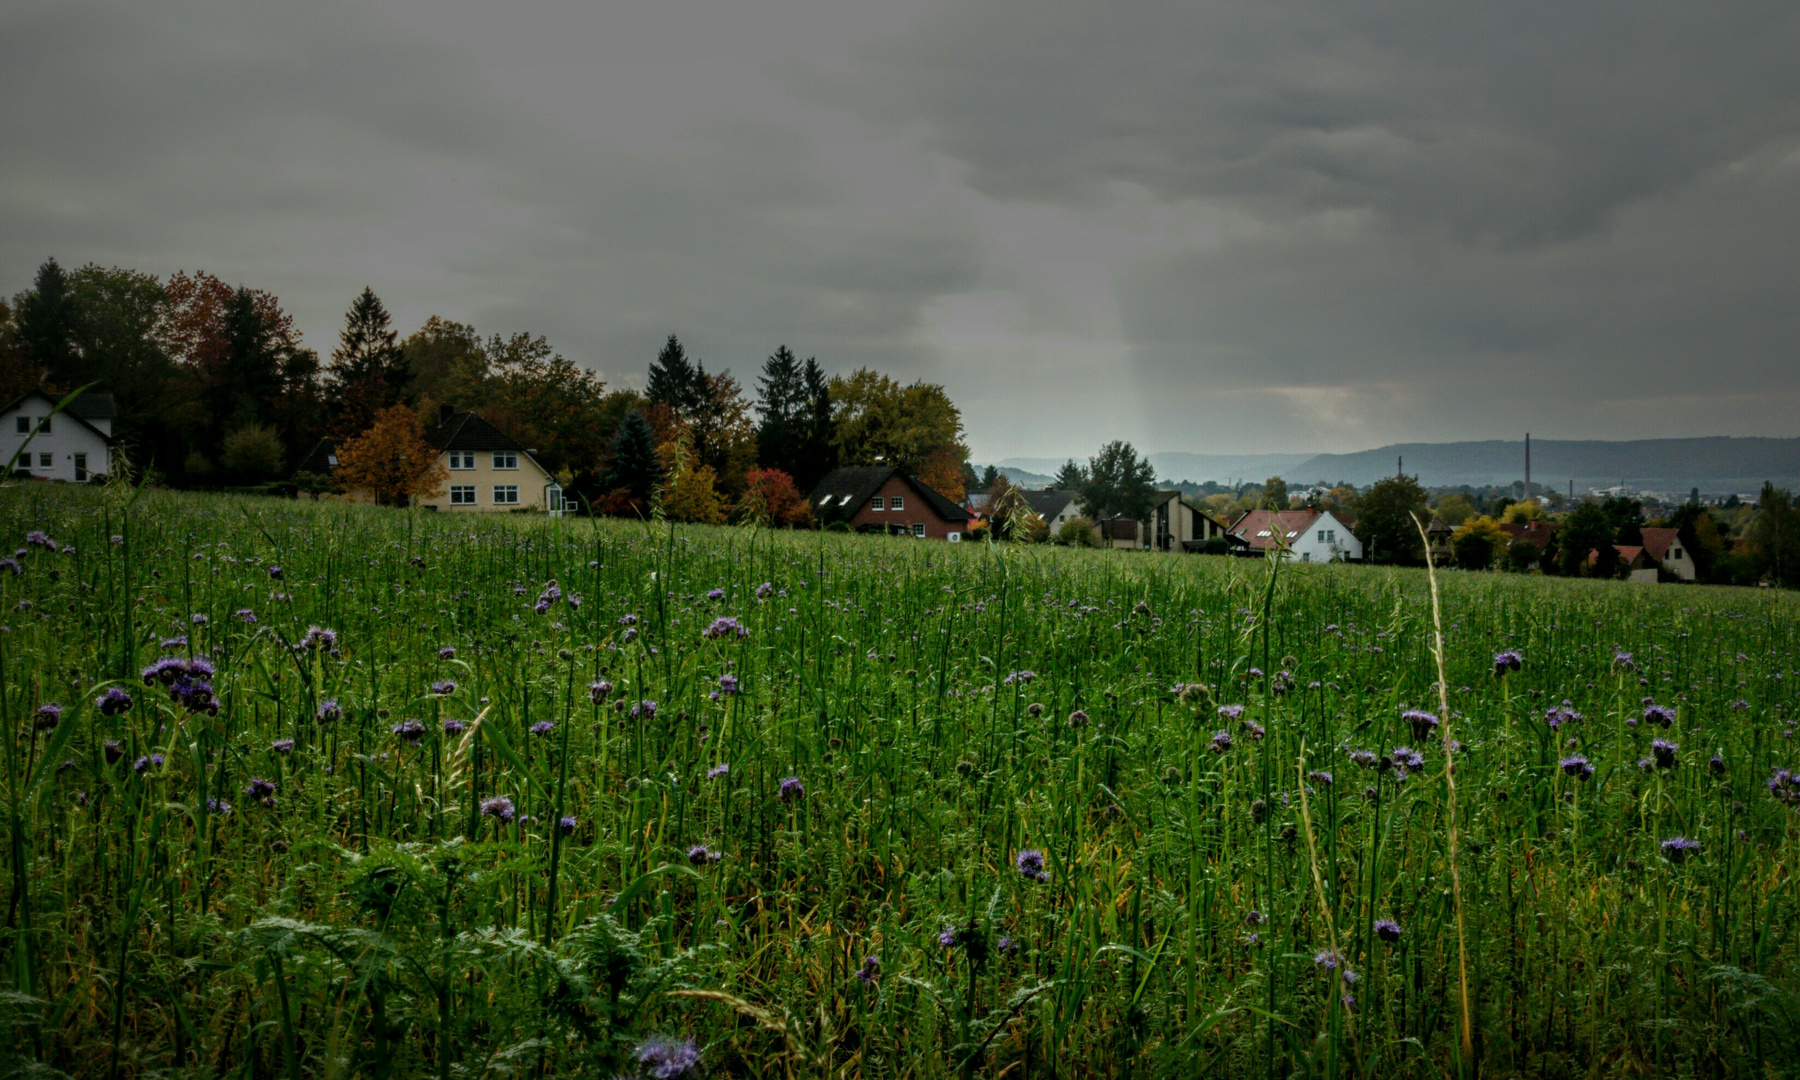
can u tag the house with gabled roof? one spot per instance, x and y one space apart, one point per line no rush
1177 525
489 469
74 445
1057 506
1311 535
885 499
1670 552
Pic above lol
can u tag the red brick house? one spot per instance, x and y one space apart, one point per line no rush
883 499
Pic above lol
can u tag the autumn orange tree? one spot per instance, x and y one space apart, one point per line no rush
392 460
770 498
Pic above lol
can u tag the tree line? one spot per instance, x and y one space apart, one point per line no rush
214 388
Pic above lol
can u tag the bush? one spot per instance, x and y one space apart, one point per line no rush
1076 532
254 451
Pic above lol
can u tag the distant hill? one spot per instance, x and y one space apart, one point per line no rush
1716 464
1713 464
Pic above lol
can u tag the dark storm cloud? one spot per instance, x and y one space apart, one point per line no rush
1223 227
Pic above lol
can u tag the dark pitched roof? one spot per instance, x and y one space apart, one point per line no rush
84 408
1049 502
844 491
468 431
322 458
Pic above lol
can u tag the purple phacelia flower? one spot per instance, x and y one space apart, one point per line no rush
1507 661
317 637
597 691
444 687
568 824
725 626
259 788
715 594
1387 930
542 728
282 746
1253 730
219 807
329 711
448 652
1660 715
792 790
36 538
1022 678
1421 722
48 715
1664 752
498 807
664 1058
728 684
1405 760
701 855
454 727
409 730
1321 777
1230 713
1368 759
275 573
1677 848
1030 863
114 702
869 969
1221 741
645 709
721 769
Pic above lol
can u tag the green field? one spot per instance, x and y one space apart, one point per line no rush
419 884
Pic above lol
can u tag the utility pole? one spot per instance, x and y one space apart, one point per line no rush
1399 465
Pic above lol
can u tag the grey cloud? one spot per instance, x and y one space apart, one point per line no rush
1498 122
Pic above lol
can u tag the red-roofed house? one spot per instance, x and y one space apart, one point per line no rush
1313 535
1666 547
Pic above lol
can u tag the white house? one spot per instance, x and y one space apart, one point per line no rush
1670 552
1312 535
73 445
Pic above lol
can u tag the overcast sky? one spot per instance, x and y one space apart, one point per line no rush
1249 226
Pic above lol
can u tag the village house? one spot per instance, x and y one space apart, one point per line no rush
1177 526
1670 553
1312 535
883 499
488 469
1056 506
74 445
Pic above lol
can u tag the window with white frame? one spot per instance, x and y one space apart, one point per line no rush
462 459
23 425
506 459
462 494
506 494
898 502
875 503
46 461
44 425
918 528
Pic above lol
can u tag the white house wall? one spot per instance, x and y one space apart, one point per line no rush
66 438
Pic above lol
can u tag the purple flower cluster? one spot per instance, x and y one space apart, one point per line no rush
48 715
1031 865
282 746
869 969
792 790
317 637
1230 713
725 626
454 727
597 691
1023 678
1677 848
1405 760
1577 766
542 728
1558 715
1785 786
1221 741
188 682
444 687
329 711
114 702
728 684
551 594
1421 722
1508 661
498 807
701 855
645 709
1659 715
1664 752
1387 930
261 790
721 769
663 1058
410 731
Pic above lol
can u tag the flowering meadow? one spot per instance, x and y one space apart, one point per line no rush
301 789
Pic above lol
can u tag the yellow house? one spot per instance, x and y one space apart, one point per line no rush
488 469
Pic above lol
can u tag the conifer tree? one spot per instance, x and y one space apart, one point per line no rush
368 369
675 381
633 468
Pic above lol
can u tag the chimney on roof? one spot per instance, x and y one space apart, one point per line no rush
445 412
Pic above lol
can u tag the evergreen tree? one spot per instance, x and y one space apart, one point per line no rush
633 468
675 381
252 369
989 477
780 403
1069 477
45 327
818 450
368 370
